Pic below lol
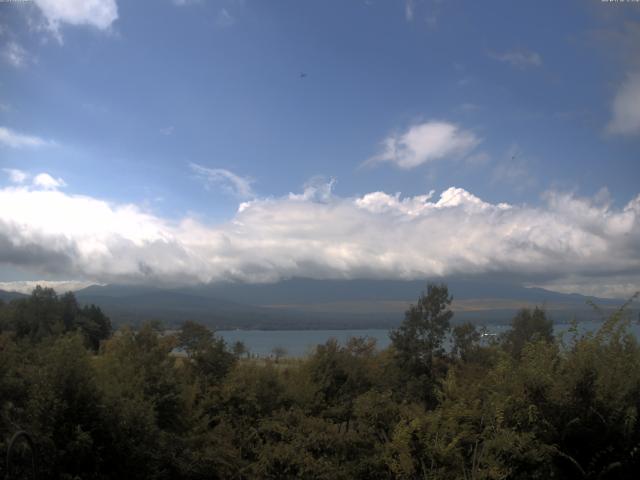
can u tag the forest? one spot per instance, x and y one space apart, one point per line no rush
443 401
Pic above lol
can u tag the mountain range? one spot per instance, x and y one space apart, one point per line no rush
301 303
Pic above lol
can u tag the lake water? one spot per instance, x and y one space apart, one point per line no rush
299 343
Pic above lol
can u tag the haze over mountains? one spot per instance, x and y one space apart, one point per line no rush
315 304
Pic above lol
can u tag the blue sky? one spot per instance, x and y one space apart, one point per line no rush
184 110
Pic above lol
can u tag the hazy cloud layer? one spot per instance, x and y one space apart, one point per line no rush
408 10
319 235
15 175
10 138
518 58
425 142
224 179
626 107
27 286
15 55
613 286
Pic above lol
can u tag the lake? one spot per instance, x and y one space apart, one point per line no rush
299 343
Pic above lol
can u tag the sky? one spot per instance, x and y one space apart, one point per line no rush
184 141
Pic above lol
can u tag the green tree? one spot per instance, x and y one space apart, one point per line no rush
239 349
63 410
44 314
418 342
339 375
94 324
207 353
527 326
144 400
466 339
193 337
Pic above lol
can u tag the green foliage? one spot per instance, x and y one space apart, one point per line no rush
418 342
239 349
528 326
208 357
425 326
466 341
151 405
45 314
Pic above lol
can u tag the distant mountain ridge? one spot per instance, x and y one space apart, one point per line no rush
7 296
306 303
301 303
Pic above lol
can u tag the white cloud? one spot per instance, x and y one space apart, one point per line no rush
14 139
376 235
424 143
228 181
616 286
15 175
381 202
60 286
518 58
99 14
167 130
15 55
626 108
318 188
47 182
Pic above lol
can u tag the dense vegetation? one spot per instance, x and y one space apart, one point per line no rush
526 405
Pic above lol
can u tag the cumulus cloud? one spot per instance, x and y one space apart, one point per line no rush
425 142
225 179
15 175
42 180
99 14
318 188
376 235
626 108
518 58
47 182
14 139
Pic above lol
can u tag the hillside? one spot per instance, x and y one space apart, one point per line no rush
309 304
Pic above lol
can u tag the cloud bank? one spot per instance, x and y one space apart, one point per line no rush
319 235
